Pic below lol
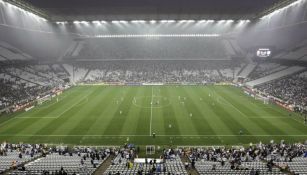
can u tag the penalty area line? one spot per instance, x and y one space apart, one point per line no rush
36 117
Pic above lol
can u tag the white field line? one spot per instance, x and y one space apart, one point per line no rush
291 118
75 104
231 105
259 117
298 121
264 117
151 102
53 103
72 135
79 101
35 117
1 124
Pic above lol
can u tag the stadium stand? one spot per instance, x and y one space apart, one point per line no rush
20 85
61 161
10 53
166 72
257 159
248 69
206 167
13 156
280 74
265 69
291 89
162 48
123 164
296 166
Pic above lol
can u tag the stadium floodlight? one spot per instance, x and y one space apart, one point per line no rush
210 20
190 21
186 21
103 22
61 22
170 21
155 36
25 8
167 21
115 22
138 21
123 21
245 21
230 20
76 22
153 21
202 21
96 22
281 9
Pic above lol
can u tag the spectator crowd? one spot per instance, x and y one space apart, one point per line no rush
160 72
239 157
21 85
292 89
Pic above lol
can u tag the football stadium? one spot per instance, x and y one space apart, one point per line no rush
153 87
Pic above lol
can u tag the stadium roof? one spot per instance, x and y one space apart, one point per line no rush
90 10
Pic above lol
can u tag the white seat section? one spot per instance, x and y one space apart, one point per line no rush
247 70
173 165
286 72
81 161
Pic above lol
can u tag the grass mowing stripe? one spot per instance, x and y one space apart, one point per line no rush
252 127
81 124
121 111
133 116
220 124
108 110
200 119
171 116
96 121
62 123
228 93
151 103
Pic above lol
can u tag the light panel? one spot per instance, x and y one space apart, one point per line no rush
281 9
154 21
23 10
156 36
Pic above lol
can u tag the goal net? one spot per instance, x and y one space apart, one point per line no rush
265 100
43 99
150 149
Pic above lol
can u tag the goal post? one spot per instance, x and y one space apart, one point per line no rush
265 100
43 99
150 149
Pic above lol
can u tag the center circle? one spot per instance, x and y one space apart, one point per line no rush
151 102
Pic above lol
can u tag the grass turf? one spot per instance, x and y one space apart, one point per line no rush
114 115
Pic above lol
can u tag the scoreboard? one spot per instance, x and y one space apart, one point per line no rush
264 52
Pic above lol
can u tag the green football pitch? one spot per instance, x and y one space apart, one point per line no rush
178 115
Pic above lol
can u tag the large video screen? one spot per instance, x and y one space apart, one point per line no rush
264 52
